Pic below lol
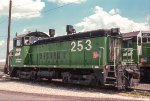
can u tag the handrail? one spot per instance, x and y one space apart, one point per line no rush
103 56
115 56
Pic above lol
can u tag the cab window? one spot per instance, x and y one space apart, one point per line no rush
26 41
129 43
19 42
146 39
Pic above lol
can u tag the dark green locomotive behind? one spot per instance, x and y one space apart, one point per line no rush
89 58
137 46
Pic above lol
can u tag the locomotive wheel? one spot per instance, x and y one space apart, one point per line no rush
93 81
65 79
33 76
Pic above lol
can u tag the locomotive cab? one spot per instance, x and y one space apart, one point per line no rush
21 49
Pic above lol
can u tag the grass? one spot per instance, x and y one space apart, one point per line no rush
137 94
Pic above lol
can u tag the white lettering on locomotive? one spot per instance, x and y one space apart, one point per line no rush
18 60
18 52
78 46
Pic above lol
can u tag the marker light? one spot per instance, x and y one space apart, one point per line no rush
106 67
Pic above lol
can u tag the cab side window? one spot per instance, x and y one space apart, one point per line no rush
146 39
14 43
17 42
129 43
26 41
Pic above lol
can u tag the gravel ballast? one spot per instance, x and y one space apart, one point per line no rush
28 87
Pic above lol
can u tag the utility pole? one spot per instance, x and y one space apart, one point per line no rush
8 39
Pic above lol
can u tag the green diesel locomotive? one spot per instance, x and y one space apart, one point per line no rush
89 58
138 45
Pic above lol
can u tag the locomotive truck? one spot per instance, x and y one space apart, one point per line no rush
138 45
89 58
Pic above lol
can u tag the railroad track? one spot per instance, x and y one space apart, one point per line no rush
57 85
141 88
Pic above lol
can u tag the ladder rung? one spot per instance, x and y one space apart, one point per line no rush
109 84
110 78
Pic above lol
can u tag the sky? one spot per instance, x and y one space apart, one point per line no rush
84 15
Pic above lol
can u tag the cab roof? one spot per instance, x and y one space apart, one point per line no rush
36 34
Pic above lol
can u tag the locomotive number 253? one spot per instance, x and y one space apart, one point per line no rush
78 46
